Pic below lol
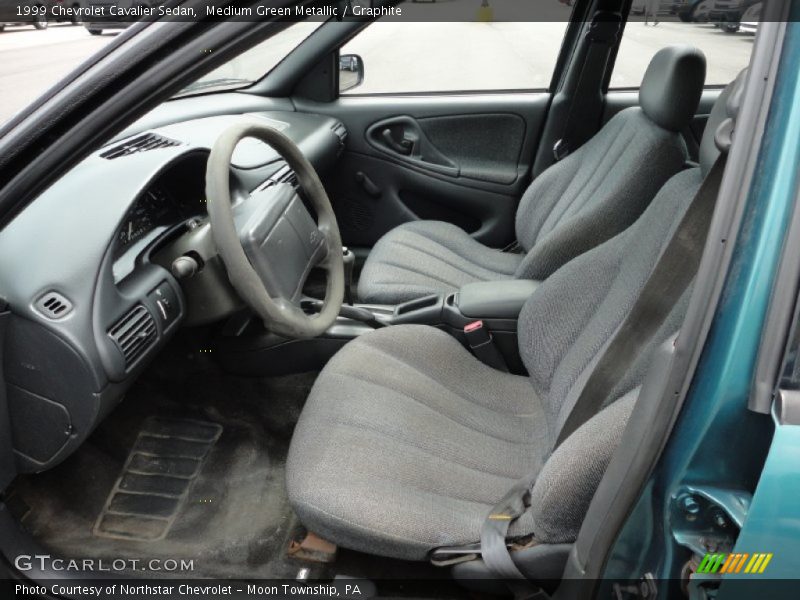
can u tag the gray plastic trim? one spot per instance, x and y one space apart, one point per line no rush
778 324
189 108
53 305
787 407
495 299
286 76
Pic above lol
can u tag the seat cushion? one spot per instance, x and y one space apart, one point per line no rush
411 453
429 257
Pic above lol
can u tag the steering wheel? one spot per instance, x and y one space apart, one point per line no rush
269 242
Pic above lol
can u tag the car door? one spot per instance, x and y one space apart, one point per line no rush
7 466
444 126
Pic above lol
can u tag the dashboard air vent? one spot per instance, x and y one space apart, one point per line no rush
141 143
283 175
53 305
286 175
134 333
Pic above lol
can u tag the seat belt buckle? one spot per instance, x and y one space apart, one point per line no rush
560 150
483 347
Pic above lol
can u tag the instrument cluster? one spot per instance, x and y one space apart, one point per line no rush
172 198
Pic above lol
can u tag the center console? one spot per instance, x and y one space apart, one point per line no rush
491 306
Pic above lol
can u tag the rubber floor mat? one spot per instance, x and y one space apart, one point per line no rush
164 462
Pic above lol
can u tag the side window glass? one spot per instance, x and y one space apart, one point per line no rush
405 57
723 30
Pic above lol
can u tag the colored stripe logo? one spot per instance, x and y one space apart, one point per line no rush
754 564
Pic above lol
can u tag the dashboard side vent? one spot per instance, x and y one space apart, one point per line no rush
53 305
134 333
283 175
141 143
286 176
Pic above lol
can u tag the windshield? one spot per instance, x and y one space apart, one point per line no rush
252 65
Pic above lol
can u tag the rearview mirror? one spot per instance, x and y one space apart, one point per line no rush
351 72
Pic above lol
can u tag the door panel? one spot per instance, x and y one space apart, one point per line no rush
7 463
487 148
463 159
484 147
372 195
403 140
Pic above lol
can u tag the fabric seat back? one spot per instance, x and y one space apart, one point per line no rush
604 186
565 326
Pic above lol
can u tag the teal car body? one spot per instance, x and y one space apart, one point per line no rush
723 461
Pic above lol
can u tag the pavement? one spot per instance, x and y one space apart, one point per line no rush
31 61
400 57
726 53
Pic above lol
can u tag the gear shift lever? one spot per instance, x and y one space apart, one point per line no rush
349 263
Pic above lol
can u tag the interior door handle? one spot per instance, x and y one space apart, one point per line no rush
403 138
404 147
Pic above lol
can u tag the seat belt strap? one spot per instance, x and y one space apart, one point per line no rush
671 276
669 279
586 105
494 551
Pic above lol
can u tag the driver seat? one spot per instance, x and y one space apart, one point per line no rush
407 440
578 203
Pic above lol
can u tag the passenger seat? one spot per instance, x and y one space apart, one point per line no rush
578 203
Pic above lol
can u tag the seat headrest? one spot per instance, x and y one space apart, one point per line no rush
672 85
720 121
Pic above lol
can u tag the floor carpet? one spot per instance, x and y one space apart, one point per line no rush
227 511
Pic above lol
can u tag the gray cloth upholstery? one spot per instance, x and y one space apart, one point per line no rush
576 204
596 192
410 453
565 325
407 440
428 257
672 85
559 498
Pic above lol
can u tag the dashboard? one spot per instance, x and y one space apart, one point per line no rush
171 199
85 268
